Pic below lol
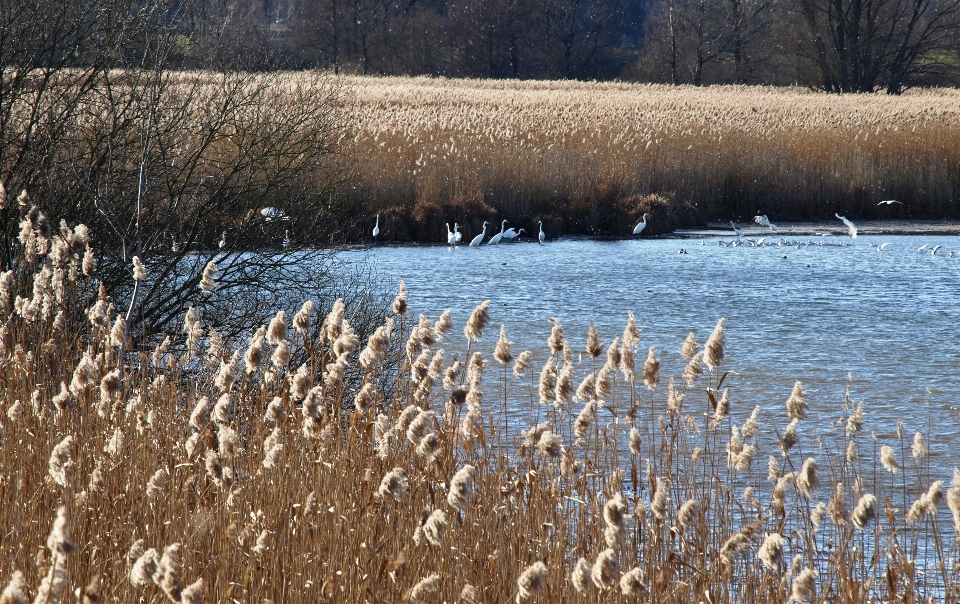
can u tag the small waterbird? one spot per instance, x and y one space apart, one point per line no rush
642 225
542 237
223 240
286 239
883 246
499 236
851 228
736 230
479 238
376 228
764 221
889 202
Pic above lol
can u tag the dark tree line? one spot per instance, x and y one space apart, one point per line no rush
833 45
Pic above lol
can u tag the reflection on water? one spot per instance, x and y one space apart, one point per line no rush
885 323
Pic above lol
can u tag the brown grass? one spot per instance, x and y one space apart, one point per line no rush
577 154
275 486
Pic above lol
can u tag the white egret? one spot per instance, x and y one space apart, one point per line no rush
176 247
933 251
739 232
479 238
223 240
457 234
542 236
499 236
376 228
511 234
851 228
286 239
883 246
642 225
764 221
270 213
451 238
921 248
889 202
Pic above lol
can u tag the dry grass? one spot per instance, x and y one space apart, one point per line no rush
557 150
318 483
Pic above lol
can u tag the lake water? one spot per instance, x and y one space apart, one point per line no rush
839 314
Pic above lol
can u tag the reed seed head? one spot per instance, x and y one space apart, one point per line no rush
549 445
469 595
581 576
139 270
144 569
502 352
651 370
688 513
303 318
461 487
605 569
522 363
435 527
443 326
631 333
532 580
394 485
865 511
555 341
690 348
804 586
796 402
17 590
400 302
548 382
59 539
771 552
587 388
564 390
889 459
594 345
421 592
193 593
789 438
478 321
658 504
919 448
585 419
61 465
714 347
807 479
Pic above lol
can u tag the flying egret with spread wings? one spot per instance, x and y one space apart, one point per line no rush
851 228
764 221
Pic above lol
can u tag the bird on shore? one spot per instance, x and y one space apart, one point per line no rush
764 221
286 239
479 238
739 232
223 240
376 228
499 236
642 225
889 202
511 234
542 236
851 228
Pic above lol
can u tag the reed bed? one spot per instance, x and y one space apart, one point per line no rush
204 470
556 150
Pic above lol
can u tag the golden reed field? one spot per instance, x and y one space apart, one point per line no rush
582 155
304 465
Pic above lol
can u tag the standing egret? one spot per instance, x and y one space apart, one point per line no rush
764 221
176 247
511 234
642 225
223 240
457 235
736 230
452 237
499 236
542 237
376 228
286 239
479 238
851 228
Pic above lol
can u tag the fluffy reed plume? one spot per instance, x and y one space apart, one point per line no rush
378 345
804 586
604 381
771 552
16 591
819 514
581 576
585 419
865 511
478 321
426 587
167 576
889 459
58 541
789 438
400 301
614 516
522 363
254 355
587 388
688 513
261 546
855 420
421 425
156 484
658 504
736 544
796 402
532 580
548 382
273 449
224 409
85 375
394 485
118 334
461 487
751 427
303 318
443 326
208 280
450 375
502 352
919 448
564 392
714 346
693 370
228 372
953 502
435 527
634 582
549 445
61 465
193 593
555 341
808 479
605 569
723 408
594 345
651 370
469 595
627 361
139 270
631 332
475 369
927 503
144 569
277 329
690 348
